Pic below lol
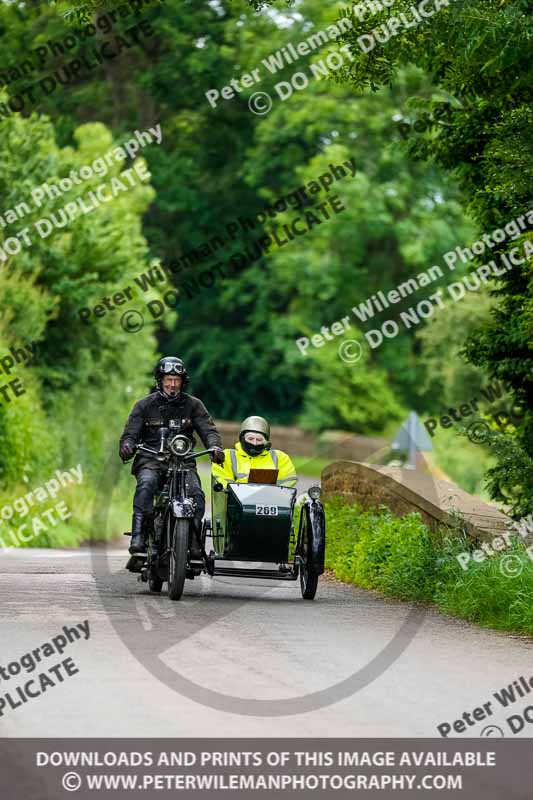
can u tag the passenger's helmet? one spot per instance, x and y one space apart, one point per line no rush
170 365
258 426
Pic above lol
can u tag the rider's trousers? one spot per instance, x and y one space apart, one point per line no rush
150 480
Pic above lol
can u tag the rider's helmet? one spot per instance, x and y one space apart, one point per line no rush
170 365
257 427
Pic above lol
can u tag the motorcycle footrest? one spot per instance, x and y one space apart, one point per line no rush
127 533
136 562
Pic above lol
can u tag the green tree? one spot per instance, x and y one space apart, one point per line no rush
82 383
450 380
218 164
476 56
348 395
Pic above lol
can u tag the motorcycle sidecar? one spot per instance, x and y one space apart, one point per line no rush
253 522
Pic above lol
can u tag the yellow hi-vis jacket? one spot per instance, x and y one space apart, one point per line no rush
237 465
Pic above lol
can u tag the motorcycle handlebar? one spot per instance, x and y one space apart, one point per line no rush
186 457
148 449
201 453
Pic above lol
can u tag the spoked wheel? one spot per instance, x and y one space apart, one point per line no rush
308 578
178 537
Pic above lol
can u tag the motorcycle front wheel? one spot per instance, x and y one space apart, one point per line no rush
178 535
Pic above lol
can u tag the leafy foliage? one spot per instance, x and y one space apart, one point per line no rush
82 382
475 54
389 230
377 550
404 209
346 396
510 480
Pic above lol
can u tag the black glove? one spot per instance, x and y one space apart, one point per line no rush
217 456
126 450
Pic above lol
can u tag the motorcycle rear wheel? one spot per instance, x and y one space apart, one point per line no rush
178 534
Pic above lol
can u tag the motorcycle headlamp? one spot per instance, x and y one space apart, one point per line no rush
314 492
180 445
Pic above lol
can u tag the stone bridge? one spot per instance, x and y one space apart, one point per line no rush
404 490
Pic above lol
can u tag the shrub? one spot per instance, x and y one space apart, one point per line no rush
380 551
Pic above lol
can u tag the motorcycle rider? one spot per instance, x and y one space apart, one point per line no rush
254 451
168 402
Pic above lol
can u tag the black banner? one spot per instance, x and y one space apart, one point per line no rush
53 769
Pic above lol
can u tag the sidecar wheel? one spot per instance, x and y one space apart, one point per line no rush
308 583
308 577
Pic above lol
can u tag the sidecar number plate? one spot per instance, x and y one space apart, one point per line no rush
266 511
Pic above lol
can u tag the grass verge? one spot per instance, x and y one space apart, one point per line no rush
40 523
400 557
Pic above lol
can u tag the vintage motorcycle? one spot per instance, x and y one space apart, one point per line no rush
250 522
175 549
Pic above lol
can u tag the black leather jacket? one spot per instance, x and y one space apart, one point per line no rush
155 411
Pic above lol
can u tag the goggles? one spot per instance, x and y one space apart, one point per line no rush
171 369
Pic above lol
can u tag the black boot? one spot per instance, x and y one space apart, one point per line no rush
137 536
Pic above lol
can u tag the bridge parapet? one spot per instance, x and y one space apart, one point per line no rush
404 490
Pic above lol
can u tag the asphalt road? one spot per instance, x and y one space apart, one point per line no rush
147 658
